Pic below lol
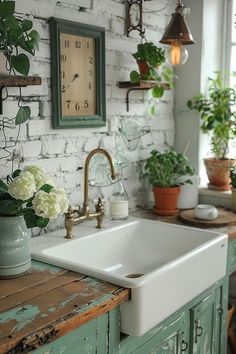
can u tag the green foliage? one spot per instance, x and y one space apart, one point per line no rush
17 35
164 169
217 113
22 115
154 57
150 53
233 177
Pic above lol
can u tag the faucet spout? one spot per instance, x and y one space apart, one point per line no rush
84 214
86 173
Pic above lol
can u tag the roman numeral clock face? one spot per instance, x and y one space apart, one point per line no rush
78 75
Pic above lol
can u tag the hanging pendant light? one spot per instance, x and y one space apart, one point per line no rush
177 34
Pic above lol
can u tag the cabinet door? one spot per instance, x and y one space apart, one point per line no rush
206 325
171 340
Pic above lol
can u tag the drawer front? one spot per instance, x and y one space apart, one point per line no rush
231 256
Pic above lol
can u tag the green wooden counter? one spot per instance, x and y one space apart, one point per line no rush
49 302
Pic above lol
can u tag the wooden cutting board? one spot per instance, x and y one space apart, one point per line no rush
225 218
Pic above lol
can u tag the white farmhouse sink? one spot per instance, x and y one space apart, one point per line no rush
165 265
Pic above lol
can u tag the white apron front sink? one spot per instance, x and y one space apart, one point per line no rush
165 265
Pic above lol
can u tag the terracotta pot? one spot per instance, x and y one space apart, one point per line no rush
166 199
143 68
218 173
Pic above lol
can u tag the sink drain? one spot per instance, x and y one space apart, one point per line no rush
134 275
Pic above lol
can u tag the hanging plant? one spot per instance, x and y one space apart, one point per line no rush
18 40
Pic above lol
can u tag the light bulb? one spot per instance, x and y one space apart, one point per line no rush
176 54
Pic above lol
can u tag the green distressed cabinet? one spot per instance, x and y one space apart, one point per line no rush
206 324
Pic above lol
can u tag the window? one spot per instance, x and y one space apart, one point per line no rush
229 54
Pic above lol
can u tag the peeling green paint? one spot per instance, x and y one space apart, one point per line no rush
22 315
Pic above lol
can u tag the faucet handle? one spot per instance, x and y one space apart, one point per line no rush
100 211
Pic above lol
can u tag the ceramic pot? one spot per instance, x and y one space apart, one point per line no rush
15 255
166 199
218 173
233 191
188 198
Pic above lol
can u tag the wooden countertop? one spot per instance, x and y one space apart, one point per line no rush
48 302
174 219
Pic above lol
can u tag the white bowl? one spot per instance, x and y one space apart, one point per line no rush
205 212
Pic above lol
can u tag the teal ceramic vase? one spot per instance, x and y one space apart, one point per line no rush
15 253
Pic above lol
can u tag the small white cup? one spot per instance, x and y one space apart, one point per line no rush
205 212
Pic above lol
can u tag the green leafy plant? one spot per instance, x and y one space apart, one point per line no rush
153 57
233 177
17 40
165 169
33 194
150 53
218 114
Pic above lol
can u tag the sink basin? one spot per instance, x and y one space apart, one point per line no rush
165 265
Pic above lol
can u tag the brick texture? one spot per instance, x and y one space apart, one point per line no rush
62 152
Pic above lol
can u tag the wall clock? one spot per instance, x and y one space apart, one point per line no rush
78 74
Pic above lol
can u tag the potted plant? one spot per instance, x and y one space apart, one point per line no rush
18 39
218 115
149 58
165 172
29 198
233 186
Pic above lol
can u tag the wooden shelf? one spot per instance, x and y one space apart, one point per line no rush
141 85
17 81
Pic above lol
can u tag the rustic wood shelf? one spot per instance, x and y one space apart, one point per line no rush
17 81
139 86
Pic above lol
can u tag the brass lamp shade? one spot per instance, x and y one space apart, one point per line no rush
178 30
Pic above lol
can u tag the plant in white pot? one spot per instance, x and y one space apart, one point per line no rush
218 116
28 199
163 171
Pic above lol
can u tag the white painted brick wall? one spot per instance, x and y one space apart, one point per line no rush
62 152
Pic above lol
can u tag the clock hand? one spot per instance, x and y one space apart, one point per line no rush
76 76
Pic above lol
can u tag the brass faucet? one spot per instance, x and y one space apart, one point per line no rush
74 217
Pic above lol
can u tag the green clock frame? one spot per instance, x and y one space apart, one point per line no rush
57 27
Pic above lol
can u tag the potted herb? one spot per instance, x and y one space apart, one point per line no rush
218 116
149 58
18 40
233 186
165 172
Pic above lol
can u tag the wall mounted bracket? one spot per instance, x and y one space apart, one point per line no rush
17 81
140 86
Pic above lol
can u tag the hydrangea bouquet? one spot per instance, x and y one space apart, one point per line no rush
32 193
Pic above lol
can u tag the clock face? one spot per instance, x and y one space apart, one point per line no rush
78 75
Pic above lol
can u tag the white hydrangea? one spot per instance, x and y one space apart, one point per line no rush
50 205
23 186
40 176
63 200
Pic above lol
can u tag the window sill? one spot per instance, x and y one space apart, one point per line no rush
208 196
